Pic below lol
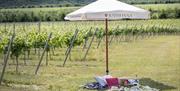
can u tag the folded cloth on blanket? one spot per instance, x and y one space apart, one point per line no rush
133 82
112 82
128 81
102 79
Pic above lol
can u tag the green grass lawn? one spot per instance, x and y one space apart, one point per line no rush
155 61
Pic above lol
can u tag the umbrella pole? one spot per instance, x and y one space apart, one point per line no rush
107 64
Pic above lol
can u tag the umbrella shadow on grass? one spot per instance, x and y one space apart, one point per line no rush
155 84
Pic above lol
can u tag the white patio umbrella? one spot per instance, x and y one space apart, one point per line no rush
108 10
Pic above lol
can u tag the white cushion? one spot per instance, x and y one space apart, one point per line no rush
102 80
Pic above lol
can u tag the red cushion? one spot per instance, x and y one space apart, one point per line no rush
112 82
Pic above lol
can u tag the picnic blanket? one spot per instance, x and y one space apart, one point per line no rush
97 86
117 84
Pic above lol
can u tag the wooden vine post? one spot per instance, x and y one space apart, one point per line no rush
90 44
70 47
6 57
45 48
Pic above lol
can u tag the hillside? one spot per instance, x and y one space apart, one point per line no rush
51 3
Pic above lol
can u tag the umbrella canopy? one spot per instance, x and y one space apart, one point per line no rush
113 8
108 10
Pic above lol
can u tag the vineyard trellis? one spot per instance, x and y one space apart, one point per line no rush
25 42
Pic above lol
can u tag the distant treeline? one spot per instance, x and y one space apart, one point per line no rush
164 14
34 14
31 16
45 14
150 1
69 3
42 6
